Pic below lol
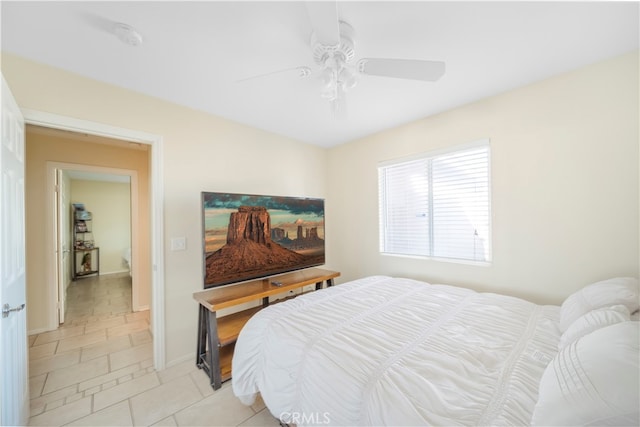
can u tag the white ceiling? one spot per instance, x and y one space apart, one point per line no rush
194 52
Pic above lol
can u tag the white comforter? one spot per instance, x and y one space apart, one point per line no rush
388 351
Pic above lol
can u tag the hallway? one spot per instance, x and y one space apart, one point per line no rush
97 369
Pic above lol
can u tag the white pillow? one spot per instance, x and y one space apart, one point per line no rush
592 321
593 381
621 290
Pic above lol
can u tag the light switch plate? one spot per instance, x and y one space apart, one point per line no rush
179 244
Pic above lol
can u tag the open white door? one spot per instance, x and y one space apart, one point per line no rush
14 384
62 246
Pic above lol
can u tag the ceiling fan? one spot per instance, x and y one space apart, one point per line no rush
333 46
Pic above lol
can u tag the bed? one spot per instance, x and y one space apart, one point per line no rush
396 351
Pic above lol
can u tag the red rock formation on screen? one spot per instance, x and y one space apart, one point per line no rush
249 249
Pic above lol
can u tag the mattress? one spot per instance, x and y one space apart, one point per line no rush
393 351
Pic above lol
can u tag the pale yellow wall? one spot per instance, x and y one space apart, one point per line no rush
43 147
564 164
110 204
202 152
564 161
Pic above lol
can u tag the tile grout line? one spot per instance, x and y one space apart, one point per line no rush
64 399
130 411
137 369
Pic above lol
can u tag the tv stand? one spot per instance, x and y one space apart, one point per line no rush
217 335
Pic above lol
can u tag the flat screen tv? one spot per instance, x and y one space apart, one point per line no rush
251 236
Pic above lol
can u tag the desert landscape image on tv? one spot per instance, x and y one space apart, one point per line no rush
252 236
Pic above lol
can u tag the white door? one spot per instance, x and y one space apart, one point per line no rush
14 384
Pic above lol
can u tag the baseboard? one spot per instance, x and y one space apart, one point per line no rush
39 331
107 273
180 360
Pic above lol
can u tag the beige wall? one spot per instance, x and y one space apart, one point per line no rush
564 163
43 147
110 203
564 156
201 153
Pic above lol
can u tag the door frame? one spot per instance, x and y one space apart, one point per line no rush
55 121
60 227
53 266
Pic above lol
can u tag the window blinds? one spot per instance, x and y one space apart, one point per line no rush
437 205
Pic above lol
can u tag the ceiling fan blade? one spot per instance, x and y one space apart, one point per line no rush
125 33
324 21
414 69
294 71
98 22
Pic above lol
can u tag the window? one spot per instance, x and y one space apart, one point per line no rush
437 205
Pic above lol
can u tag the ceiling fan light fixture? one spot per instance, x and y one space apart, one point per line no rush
347 77
327 77
337 76
330 93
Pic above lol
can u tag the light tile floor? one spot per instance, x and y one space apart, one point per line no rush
97 370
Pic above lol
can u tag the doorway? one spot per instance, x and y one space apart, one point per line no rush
153 220
111 196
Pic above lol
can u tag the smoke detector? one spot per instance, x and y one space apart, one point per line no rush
127 34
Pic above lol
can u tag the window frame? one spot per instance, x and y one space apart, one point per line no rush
429 156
